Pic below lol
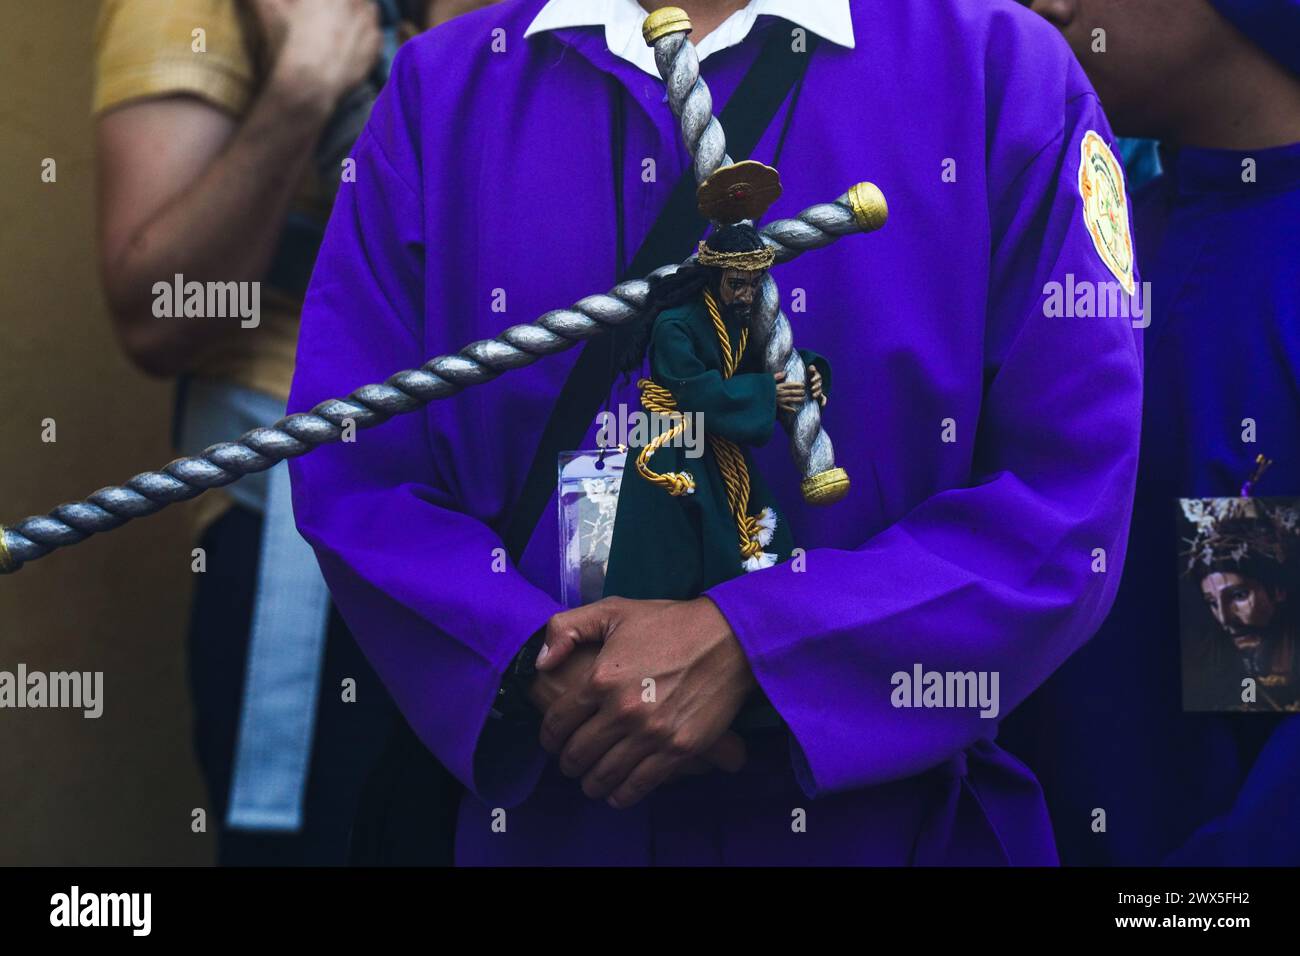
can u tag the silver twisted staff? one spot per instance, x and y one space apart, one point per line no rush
667 30
823 483
440 377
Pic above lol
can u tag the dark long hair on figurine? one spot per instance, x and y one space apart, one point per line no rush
685 285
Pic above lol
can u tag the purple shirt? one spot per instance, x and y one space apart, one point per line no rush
485 171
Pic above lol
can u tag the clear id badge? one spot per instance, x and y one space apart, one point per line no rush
588 501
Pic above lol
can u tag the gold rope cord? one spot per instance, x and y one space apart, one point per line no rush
731 460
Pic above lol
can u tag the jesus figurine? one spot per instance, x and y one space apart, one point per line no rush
686 524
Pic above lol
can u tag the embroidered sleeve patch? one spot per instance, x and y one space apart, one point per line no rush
1105 208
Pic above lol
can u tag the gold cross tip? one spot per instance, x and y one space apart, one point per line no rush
869 206
825 488
664 21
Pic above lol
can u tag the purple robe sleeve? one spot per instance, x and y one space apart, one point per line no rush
996 575
411 572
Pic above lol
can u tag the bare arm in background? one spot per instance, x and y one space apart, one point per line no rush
186 188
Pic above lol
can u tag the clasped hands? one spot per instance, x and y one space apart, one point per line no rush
635 694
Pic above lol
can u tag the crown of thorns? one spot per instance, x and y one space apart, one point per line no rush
1234 530
752 260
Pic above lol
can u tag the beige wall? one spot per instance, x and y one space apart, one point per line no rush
120 789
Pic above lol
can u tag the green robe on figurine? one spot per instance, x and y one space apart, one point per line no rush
688 520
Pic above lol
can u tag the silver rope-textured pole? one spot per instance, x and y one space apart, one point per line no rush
667 30
823 483
440 377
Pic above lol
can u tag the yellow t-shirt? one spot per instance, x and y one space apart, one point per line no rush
152 48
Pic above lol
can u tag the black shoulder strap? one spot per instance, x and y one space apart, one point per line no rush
672 238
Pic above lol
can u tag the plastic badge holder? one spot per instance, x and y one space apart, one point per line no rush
588 501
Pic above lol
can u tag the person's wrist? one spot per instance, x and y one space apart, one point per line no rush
299 90
714 622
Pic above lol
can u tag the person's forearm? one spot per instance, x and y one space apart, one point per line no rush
225 227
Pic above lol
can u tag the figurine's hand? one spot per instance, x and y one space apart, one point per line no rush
815 386
665 687
789 395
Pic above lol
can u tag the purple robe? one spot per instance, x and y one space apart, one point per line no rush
486 174
1109 729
